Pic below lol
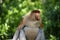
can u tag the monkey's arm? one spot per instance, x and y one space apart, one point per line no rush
21 24
41 24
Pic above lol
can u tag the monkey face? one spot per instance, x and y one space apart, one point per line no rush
37 16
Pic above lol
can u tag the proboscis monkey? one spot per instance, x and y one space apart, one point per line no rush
31 27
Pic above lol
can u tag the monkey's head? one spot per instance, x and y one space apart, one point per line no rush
36 14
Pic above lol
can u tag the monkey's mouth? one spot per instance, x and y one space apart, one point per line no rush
37 18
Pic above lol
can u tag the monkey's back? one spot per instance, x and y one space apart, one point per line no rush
31 33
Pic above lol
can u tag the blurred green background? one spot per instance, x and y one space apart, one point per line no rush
11 12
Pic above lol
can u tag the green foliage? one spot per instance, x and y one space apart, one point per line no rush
52 37
12 11
52 17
